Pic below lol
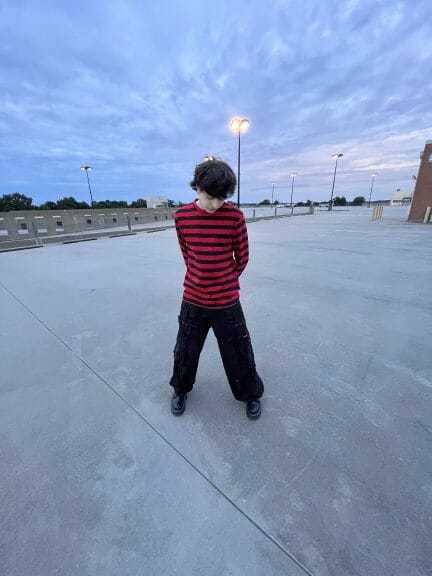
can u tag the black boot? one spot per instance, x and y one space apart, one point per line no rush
178 403
253 409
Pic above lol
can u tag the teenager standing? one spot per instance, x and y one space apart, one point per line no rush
213 239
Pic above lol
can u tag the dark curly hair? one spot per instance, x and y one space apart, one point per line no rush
214 177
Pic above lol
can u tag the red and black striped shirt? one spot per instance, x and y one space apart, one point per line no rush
215 250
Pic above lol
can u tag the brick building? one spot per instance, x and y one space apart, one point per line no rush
423 190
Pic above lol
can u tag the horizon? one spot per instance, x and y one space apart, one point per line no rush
232 200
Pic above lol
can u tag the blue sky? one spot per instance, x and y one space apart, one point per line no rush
143 90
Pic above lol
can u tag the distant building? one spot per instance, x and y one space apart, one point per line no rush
401 198
423 189
157 202
379 203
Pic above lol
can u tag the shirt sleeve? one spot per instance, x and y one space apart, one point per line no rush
241 245
182 242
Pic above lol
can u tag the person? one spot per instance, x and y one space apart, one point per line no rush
213 239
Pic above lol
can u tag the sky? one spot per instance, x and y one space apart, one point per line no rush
142 91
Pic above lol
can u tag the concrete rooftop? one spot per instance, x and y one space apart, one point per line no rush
97 477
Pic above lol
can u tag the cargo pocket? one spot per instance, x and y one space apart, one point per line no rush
244 348
180 349
246 384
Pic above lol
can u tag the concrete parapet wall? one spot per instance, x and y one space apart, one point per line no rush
28 224
162 219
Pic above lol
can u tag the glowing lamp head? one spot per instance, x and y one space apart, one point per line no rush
239 124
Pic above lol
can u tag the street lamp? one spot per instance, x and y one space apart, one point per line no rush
335 157
293 175
239 125
372 183
87 170
273 185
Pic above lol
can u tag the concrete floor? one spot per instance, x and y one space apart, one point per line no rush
97 477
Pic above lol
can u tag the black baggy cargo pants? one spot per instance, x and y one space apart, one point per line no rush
229 327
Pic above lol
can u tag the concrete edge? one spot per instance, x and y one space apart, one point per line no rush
21 248
79 240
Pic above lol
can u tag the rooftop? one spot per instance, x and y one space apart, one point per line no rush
335 478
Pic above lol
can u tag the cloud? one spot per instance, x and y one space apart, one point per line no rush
142 91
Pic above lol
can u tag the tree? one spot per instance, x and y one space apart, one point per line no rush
70 203
48 205
358 201
339 201
15 201
172 204
276 202
140 203
67 203
110 204
265 202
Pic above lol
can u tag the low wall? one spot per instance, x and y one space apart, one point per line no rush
41 230
26 224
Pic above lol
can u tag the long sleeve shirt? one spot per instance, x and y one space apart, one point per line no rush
215 249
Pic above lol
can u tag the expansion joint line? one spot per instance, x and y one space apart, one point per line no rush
263 531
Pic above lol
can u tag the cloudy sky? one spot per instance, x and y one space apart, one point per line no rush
141 91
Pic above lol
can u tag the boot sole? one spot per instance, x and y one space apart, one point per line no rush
178 412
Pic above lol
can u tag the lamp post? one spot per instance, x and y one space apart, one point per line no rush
293 175
372 183
335 157
87 170
239 125
273 185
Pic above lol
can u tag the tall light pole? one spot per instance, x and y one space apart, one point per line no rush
293 175
372 183
273 185
335 157
239 125
87 170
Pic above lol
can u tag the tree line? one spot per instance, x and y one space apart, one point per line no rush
337 201
16 201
